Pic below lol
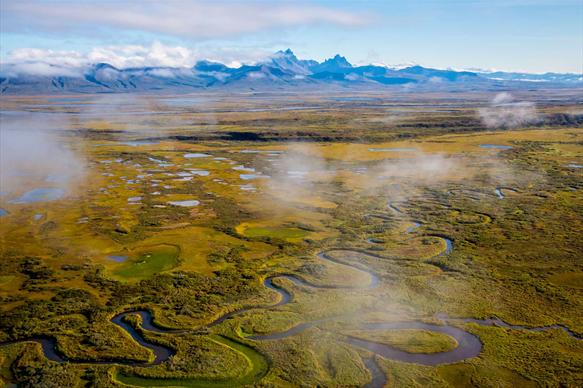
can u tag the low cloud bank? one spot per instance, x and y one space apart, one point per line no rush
303 168
31 61
299 168
32 152
505 112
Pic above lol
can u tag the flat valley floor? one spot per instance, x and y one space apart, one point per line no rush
284 240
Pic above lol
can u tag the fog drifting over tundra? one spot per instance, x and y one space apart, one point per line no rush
31 149
505 112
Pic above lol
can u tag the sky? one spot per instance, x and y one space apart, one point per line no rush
514 35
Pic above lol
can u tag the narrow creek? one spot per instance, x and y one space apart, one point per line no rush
468 344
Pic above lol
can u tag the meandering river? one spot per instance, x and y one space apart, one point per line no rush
468 345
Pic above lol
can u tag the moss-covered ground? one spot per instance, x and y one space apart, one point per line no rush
189 223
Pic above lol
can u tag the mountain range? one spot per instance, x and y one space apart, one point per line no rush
282 70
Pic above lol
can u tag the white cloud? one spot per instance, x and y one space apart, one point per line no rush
70 63
138 56
164 73
40 69
185 18
504 112
502 98
31 148
63 58
256 75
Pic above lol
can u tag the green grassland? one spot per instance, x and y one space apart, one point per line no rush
517 258
148 262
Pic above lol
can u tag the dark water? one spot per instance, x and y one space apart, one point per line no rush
161 353
379 380
147 322
47 344
448 246
394 208
411 229
468 344
497 322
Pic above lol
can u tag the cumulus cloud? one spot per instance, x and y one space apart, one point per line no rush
69 63
184 18
31 61
122 56
137 56
60 57
505 112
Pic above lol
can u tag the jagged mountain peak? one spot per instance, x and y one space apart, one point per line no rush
339 60
336 64
287 53
282 69
288 62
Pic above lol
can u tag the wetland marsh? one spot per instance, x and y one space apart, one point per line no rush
289 240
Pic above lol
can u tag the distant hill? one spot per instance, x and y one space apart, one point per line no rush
282 70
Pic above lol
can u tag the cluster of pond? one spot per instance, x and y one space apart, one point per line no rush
468 345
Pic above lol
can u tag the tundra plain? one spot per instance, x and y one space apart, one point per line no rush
286 239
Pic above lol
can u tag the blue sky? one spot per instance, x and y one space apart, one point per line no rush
516 35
